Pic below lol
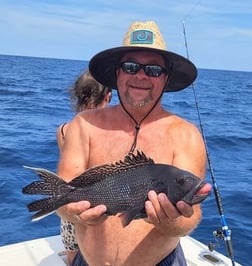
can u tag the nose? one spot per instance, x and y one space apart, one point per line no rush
141 73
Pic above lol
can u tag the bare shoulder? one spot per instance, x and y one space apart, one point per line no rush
58 132
86 123
98 118
61 130
185 131
189 147
77 123
60 135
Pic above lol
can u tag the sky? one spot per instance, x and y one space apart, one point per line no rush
218 32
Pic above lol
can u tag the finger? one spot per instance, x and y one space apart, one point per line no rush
67 211
169 211
77 207
93 215
153 207
77 218
185 209
151 213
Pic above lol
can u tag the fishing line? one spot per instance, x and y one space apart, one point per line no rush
193 7
224 233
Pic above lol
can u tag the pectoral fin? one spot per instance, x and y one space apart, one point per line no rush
132 213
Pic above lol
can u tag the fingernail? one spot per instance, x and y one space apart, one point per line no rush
152 194
180 205
102 208
161 197
86 204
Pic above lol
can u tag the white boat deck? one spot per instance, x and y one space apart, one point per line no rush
38 252
49 252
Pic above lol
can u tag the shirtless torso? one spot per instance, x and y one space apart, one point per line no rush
106 135
93 139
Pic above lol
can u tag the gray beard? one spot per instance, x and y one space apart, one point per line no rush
139 104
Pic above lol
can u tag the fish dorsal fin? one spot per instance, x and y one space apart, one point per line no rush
95 174
131 160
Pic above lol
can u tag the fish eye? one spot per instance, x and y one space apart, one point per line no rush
180 180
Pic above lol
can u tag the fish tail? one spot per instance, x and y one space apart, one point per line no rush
50 185
44 207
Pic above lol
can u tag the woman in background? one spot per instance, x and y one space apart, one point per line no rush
87 93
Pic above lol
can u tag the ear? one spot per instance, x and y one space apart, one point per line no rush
106 100
108 97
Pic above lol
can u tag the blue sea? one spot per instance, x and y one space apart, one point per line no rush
34 100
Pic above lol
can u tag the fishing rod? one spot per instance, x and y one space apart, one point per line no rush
224 232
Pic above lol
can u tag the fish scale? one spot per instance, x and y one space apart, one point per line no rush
122 187
125 190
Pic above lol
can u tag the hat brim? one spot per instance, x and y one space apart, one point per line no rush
103 67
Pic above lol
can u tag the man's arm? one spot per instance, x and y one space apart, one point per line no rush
73 161
190 155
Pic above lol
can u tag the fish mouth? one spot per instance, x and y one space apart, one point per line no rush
193 197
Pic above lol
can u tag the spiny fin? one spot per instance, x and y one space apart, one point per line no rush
97 173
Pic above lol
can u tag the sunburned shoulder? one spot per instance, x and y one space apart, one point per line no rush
184 129
97 111
94 117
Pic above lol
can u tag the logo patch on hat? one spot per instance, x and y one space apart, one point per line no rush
142 37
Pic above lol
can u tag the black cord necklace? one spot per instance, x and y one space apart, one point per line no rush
138 124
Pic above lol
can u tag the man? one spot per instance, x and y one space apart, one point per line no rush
141 70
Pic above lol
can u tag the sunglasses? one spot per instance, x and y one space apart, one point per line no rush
151 70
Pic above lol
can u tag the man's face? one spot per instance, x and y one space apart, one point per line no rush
138 89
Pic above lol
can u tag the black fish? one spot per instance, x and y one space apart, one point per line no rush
122 187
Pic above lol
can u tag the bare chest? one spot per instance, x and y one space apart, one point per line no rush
112 145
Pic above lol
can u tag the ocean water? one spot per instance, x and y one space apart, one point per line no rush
34 100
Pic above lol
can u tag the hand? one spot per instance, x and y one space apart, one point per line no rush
80 212
161 211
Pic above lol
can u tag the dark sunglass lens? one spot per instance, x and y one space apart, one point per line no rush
153 70
130 67
150 70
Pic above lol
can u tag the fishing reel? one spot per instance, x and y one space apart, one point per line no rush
223 234
218 234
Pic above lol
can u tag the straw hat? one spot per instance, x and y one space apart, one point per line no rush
143 36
